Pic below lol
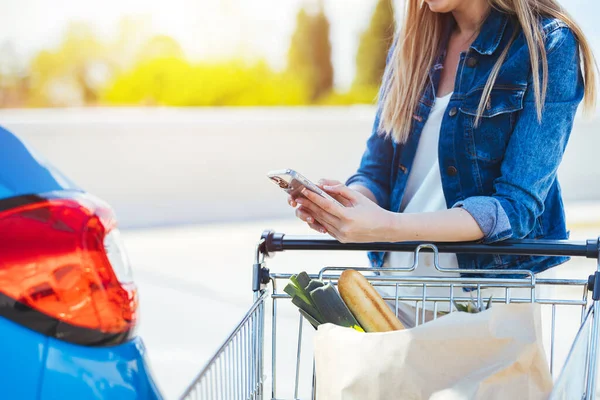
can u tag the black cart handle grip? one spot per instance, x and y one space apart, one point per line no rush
273 242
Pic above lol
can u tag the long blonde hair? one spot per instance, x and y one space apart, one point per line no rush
420 39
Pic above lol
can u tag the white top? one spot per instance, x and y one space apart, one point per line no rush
424 193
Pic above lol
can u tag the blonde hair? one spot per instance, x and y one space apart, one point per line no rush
420 39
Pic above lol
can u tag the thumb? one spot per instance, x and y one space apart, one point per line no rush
341 190
329 182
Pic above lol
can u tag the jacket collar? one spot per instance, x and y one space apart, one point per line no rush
487 41
491 32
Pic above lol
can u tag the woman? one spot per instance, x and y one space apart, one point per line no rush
475 110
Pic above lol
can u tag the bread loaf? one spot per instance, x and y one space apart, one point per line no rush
367 306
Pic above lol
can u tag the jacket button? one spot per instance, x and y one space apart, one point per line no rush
453 111
471 62
451 170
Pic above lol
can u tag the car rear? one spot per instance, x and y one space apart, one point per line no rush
68 301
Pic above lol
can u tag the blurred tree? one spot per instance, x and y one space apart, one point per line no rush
309 55
132 33
74 73
374 44
136 68
322 53
173 81
160 46
13 77
299 53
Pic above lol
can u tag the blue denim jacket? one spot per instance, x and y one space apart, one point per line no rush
503 171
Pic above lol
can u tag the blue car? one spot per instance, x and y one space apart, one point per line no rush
68 303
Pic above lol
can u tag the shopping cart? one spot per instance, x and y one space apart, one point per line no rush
237 370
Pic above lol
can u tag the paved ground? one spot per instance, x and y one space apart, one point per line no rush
195 285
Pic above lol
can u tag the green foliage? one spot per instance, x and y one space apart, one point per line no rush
67 75
176 82
374 45
160 46
472 307
163 76
14 82
309 56
356 95
136 68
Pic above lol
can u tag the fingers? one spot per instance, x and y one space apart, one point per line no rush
328 182
324 204
342 191
316 211
305 216
331 230
342 200
292 201
318 227
322 226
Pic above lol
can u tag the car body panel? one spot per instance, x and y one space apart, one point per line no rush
79 372
22 359
23 171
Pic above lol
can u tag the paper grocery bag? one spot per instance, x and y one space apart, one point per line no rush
495 354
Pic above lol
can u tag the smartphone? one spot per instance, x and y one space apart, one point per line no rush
293 183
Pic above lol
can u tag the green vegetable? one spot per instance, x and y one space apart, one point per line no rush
471 307
294 289
332 307
319 303
310 319
314 284
309 309
301 298
303 280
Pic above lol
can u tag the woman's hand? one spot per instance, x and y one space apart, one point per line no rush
305 215
363 221
360 221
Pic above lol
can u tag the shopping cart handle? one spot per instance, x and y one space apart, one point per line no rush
272 242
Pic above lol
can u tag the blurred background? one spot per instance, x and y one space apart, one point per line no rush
173 111
192 53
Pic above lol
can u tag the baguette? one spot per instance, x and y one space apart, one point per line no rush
367 306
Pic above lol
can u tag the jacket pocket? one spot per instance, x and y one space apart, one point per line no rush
488 140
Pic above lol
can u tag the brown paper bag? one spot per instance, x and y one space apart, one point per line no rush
496 354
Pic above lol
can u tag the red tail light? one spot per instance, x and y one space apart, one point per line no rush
62 271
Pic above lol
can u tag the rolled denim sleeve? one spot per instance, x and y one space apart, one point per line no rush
535 148
490 216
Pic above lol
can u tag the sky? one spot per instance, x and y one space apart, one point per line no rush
216 29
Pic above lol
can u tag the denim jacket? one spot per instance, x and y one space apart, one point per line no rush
502 171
